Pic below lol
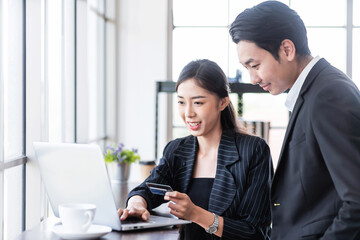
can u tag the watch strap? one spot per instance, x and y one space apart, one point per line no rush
214 227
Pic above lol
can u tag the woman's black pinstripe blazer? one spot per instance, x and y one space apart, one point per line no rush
240 191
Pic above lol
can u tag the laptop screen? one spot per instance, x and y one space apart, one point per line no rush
76 173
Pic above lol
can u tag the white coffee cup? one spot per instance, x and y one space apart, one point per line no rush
77 217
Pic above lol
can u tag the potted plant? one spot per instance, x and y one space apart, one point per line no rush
118 160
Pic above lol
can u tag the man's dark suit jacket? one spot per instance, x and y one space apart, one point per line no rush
315 191
240 191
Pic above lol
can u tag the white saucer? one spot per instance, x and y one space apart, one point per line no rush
94 231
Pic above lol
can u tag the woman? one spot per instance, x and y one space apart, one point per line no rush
220 175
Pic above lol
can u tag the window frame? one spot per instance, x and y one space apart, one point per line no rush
22 159
40 115
349 27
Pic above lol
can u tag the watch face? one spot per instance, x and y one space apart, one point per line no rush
212 229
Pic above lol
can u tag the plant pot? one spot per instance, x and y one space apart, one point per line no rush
118 171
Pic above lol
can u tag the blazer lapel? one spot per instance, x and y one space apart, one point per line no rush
224 187
318 67
187 153
299 103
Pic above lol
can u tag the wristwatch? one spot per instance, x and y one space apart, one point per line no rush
214 227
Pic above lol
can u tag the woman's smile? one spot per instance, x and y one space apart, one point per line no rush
194 125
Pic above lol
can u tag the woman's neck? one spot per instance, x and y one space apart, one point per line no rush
206 159
209 142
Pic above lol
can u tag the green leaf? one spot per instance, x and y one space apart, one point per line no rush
127 156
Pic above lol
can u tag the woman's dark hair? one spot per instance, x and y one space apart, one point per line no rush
267 25
210 76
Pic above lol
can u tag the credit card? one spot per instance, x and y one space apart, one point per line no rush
159 189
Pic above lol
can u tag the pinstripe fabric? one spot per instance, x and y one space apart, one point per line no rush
240 191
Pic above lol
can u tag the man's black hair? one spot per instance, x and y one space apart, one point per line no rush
267 25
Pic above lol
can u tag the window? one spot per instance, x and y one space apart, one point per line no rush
12 116
55 85
90 76
356 42
202 32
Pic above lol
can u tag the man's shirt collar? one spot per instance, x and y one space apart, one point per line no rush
295 90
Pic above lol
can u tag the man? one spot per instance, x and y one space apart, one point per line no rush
315 191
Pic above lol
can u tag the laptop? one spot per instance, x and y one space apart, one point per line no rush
76 173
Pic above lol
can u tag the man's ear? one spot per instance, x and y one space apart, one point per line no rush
224 102
287 50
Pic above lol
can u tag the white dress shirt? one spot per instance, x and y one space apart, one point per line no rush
295 90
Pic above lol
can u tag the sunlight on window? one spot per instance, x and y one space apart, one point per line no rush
95 70
236 7
329 43
356 57
321 12
13 201
200 13
54 70
197 43
90 75
13 77
356 15
260 107
202 34
268 108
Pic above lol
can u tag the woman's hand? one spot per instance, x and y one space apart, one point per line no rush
181 206
137 207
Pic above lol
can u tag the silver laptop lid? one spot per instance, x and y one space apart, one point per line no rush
77 173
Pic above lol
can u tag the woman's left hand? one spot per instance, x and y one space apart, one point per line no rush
180 205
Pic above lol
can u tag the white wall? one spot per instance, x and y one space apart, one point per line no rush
142 62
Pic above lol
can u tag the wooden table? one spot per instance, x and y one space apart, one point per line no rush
44 229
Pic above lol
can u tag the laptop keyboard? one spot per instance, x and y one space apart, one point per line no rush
133 220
